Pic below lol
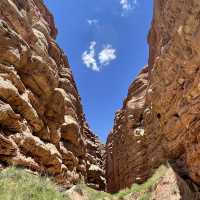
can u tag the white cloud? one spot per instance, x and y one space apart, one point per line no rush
92 22
88 57
128 4
107 55
95 61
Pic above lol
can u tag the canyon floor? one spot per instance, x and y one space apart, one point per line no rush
23 184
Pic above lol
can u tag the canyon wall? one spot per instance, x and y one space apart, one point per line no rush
126 154
42 125
160 118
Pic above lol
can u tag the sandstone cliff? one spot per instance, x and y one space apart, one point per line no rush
42 125
159 120
126 145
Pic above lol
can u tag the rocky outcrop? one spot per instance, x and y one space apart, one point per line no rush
172 187
42 125
159 120
174 89
126 149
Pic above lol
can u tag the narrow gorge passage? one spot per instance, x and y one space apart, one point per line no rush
43 126
103 32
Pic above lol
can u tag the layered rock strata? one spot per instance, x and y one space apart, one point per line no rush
42 125
95 165
160 117
126 149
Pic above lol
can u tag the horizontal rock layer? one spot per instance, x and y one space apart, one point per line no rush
126 153
42 125
159 120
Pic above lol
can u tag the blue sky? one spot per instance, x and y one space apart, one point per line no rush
106 44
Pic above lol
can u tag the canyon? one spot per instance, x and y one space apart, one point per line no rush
42 123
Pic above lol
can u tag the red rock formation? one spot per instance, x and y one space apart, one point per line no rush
95 161
126 153
173 92
160 118
172 187
42 125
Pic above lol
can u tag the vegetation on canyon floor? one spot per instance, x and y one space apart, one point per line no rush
18 184
136 192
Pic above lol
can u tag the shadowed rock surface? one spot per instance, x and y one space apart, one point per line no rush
159 120
42 125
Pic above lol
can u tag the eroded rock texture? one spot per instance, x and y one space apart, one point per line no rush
172 187
160 119
174 82
42 125
126 152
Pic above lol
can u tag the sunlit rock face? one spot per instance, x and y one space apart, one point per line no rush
42 125
126 152
160 120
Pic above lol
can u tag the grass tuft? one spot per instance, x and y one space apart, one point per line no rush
17 184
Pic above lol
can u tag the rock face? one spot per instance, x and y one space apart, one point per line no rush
95 161
160 118
42 125
126 145
174 82
173 187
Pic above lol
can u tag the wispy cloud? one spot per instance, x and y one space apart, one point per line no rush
88 57
92 22
97 61
128 5
107 55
